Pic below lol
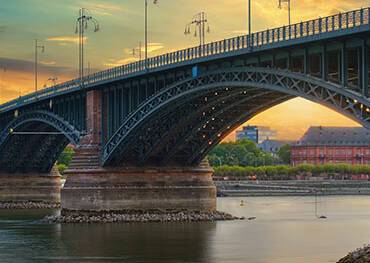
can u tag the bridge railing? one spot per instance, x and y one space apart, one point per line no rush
246 43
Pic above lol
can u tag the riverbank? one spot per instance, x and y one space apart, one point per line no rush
292 188
140 218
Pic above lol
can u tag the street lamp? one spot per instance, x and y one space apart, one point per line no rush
199 21
53 80
249 23
37 47
82 23
137 51
146 30
3 69
281 2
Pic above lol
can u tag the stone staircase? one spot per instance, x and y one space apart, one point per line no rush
86 157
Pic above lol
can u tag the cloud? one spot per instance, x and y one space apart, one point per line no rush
152 47
104 9
65 39
48 63
119 62
25 66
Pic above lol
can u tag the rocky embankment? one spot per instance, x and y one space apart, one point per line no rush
28 205
141 217
361 255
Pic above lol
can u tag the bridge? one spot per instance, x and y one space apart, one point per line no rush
142 130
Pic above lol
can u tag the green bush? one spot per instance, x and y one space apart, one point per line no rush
61 168
66 156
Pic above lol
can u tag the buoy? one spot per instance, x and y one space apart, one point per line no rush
241 203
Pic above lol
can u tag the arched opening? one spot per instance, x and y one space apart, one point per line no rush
32 142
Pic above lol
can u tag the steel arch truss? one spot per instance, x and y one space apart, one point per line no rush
159 115
33 141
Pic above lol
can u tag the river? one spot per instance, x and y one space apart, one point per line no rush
285 230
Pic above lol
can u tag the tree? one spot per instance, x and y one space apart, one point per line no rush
285 153
66 156
240 153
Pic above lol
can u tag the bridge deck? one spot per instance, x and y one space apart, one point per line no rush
319 29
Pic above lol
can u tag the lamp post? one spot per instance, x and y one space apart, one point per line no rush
82 23
146 31
3 70
37 48
199 21
249 19
281 2
137 51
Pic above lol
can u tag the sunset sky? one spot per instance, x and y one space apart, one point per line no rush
122 23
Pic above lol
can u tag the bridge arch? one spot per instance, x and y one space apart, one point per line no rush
246 90
33 141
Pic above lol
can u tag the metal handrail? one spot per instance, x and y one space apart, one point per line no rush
246 43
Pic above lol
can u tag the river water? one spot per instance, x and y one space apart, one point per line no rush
285 230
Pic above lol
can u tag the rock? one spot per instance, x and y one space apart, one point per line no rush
140 217
361 255
28 205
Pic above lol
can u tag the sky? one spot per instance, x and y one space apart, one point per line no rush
122 23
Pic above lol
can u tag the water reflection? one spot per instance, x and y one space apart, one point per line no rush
286 230
139 242
23 238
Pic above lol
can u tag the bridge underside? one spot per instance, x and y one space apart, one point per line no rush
182 132
34 147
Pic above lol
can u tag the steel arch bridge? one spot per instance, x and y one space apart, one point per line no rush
172 109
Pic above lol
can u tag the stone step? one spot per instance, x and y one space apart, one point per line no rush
82 167
95 159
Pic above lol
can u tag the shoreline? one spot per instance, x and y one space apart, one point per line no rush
291 188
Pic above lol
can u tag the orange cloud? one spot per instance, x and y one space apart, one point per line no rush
65 39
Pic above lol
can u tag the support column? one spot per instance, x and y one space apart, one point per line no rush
139 189
91 188
32 187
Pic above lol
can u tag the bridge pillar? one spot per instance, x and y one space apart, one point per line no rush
92 188
32 187
139 189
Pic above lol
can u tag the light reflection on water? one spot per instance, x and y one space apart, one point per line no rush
285 231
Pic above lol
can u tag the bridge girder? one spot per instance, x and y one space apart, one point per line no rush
33 141
285 84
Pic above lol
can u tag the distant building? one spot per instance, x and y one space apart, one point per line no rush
258 134
322 145
273 146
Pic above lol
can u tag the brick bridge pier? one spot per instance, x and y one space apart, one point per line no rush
93 188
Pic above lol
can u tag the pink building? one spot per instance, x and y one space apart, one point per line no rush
322 145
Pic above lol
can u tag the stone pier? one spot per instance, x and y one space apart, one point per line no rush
32 187
139 189
92 188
